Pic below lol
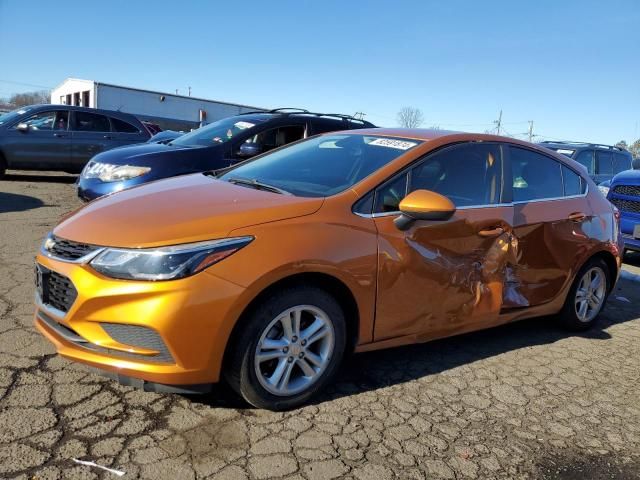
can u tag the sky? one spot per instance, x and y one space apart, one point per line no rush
571 67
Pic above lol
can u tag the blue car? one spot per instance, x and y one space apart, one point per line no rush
624 193
218 145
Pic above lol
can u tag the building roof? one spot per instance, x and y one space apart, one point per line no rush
157 93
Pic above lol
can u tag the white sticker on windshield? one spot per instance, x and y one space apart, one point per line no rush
244 125
391 143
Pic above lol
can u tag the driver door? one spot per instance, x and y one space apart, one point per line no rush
438 278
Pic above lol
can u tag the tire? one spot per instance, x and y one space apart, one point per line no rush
579 315
3 167
283 356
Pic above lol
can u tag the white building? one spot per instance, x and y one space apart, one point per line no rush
170 111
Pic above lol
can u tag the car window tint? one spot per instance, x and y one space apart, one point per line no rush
277 137
535 176
41 121
122 126
603 163
469 174
91 122
388 196
573 183
621 162
585 158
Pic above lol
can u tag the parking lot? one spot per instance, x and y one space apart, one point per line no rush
526 400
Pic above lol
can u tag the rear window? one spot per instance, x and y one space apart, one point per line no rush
91 122
122 126
621 162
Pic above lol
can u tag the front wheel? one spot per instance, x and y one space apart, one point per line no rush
587 296
290 347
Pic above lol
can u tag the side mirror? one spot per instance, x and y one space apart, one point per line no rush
250 150
424 205
22 127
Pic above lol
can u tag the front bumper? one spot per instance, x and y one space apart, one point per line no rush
192 318
628 222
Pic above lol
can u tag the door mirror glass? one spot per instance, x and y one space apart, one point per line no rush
23 127
249 149
424 205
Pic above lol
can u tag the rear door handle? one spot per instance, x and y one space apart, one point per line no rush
60 135
577 216
107 137
493 232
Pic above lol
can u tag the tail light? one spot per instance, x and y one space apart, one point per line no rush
616 213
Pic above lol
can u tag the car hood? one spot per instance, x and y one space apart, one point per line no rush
179 210
145 154
628 176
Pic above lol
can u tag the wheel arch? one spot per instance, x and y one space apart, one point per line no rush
329 283
610 261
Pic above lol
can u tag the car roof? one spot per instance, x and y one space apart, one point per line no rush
46 106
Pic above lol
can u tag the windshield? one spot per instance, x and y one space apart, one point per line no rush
322 166
217 132
9 116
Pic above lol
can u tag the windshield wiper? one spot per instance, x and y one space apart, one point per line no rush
252 182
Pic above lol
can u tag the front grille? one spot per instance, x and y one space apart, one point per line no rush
69 250
626 205
55 290
630 190
138 336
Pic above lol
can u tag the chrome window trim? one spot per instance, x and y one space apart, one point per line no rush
84 259
553 199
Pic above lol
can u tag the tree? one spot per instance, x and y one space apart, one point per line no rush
635 149
410 117
622 144
30 98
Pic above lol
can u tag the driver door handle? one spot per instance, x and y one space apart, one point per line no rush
493 232
107 137
577 216
60 135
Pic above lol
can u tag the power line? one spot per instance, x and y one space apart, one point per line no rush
25 84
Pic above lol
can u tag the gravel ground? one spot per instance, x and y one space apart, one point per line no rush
522 401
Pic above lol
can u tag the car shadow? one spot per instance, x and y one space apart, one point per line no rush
632 258
36 178
364 372
14 202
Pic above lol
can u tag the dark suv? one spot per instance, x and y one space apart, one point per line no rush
215 146
601 161
62 137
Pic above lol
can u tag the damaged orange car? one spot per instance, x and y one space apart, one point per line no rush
267 274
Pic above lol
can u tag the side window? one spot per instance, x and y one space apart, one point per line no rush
535 176
573 183
468 174
603 163
91 122
389 195
277 137
585 158
621 162
46 121
122 126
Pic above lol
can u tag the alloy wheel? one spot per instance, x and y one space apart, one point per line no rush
590 294
294 350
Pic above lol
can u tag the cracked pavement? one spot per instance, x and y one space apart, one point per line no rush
526 400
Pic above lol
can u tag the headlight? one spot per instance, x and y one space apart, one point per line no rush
125 172
165 263
604 190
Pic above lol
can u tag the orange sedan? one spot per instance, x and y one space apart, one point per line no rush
268 273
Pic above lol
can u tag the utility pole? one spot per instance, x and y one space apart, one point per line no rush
531 130
189 91
498 122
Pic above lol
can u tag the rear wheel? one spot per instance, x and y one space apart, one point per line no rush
290 347
587 296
